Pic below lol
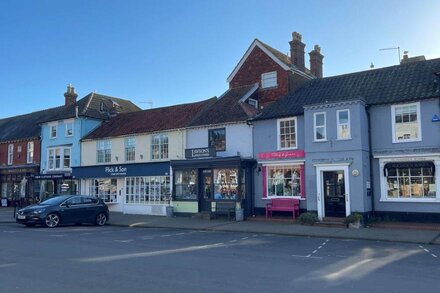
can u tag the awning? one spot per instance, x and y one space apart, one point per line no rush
406 165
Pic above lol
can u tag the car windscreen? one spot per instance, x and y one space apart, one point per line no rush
54 200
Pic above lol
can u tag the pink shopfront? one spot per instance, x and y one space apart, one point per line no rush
282 174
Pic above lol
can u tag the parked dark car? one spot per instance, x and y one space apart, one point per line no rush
65 209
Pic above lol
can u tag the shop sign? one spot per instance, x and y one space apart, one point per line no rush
50 176
200 153
115 171
281 155
17 170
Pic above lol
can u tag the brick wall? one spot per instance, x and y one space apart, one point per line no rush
250 73
20 158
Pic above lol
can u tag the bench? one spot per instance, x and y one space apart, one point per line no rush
224 208
283 205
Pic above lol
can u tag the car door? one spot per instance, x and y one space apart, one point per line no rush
72 210
91 208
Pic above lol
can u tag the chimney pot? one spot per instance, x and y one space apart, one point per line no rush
297 51
70 96
316 61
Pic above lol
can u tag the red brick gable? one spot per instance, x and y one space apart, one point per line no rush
257 63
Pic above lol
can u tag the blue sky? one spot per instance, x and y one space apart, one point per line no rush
173 52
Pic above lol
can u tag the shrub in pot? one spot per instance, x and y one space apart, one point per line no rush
308 218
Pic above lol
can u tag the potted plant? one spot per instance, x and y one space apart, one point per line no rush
308 218
353 220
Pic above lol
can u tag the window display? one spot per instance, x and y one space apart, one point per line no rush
410 180
284 181
186 184
147 190
225 184
104 188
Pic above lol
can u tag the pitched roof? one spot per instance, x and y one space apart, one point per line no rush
90 105
24 126
228 108
152 120
394 84
282 59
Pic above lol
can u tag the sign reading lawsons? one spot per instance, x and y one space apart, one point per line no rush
200 153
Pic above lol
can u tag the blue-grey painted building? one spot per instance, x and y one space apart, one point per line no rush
371 143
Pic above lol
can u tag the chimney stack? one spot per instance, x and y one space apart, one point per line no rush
70 96
297 51
316 61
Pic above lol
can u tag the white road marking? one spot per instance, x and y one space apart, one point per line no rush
124 241
244 238
233 241
433 255
166 235
180 233
11 231
255 235
85 233
306 256
57 235
426 250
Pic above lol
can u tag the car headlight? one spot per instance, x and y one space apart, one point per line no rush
39 211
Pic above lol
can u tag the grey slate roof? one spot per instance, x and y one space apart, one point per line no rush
89 106
394 84
28 125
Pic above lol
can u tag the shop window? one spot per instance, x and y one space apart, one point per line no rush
30 152
225 184
409 180
10 154
406 122
217 139
147 190
130 151
159 147
103 151
343 121
106 189
185 183
283 181
269 79
287 133
319 125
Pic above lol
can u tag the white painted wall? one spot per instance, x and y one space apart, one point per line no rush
176 149
238 139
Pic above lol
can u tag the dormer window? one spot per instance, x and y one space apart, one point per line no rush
269 79
253 103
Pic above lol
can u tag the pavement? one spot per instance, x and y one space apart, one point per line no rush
412 233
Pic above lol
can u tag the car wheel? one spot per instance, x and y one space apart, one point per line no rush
101 219
52 220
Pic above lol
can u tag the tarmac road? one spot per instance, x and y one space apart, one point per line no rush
118 259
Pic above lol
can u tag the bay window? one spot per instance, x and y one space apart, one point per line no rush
58 158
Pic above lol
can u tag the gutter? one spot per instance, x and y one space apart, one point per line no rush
370 153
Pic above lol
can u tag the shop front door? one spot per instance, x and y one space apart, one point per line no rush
334 193
206 192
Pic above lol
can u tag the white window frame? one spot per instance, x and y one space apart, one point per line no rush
393 122
103 145
338 123
269 75
279 133
161 146
127 146
30 152
253 103
54 154
384 184
315 139
10 154
66 123
51 126
283 165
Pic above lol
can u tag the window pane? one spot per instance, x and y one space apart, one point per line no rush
320 120
343 117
